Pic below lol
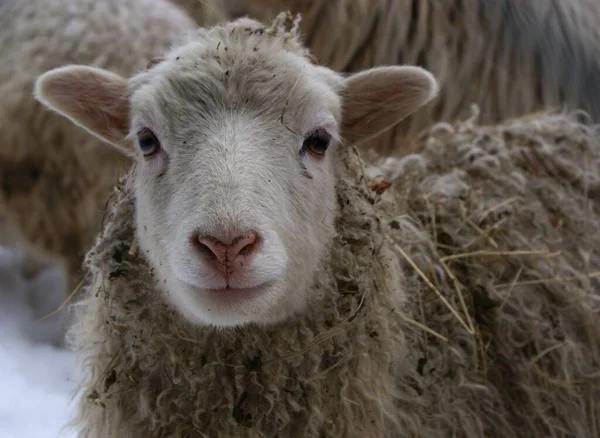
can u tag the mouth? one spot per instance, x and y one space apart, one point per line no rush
230 289
228 296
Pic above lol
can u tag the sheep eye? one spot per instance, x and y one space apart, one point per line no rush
148 143
317 142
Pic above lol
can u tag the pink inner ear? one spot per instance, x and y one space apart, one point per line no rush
116 111
367 104
98 103
378 99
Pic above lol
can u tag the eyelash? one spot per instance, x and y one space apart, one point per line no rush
148 143
317 143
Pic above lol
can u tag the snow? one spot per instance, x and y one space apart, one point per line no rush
36 377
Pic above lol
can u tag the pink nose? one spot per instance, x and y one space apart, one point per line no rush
226 254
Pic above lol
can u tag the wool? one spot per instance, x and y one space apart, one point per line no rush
507 216
268 380
504 216
510 57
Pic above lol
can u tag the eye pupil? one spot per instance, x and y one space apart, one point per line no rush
317 142
147 142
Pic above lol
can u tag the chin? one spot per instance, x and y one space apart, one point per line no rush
231 307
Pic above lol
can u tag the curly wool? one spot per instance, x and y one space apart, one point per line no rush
505 217
510 57
154 374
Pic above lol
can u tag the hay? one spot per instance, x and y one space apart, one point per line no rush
490 341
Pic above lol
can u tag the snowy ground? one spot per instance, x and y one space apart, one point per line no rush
35 377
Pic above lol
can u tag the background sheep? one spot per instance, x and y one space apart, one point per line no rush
54 178
318 338
509 57
503 222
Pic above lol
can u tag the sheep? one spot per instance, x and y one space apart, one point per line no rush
54 177
510 57
250 280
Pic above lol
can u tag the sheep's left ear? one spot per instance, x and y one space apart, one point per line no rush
374 100
93 98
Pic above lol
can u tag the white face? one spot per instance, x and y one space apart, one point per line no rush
235 206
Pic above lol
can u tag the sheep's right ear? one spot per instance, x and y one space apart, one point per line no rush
376 99
95 99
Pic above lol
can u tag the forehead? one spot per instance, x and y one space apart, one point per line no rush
245 72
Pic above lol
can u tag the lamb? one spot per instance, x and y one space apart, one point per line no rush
510 57
54 177
249 281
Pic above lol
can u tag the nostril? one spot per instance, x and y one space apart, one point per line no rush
243 245
210 247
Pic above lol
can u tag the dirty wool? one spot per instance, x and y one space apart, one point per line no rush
461 297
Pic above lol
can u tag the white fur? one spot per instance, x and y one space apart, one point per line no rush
237 170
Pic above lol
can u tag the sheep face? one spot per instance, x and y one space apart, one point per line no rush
235 184
235 135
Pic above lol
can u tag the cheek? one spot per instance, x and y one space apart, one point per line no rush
312 209
149 168
151 202
321 186
313 164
